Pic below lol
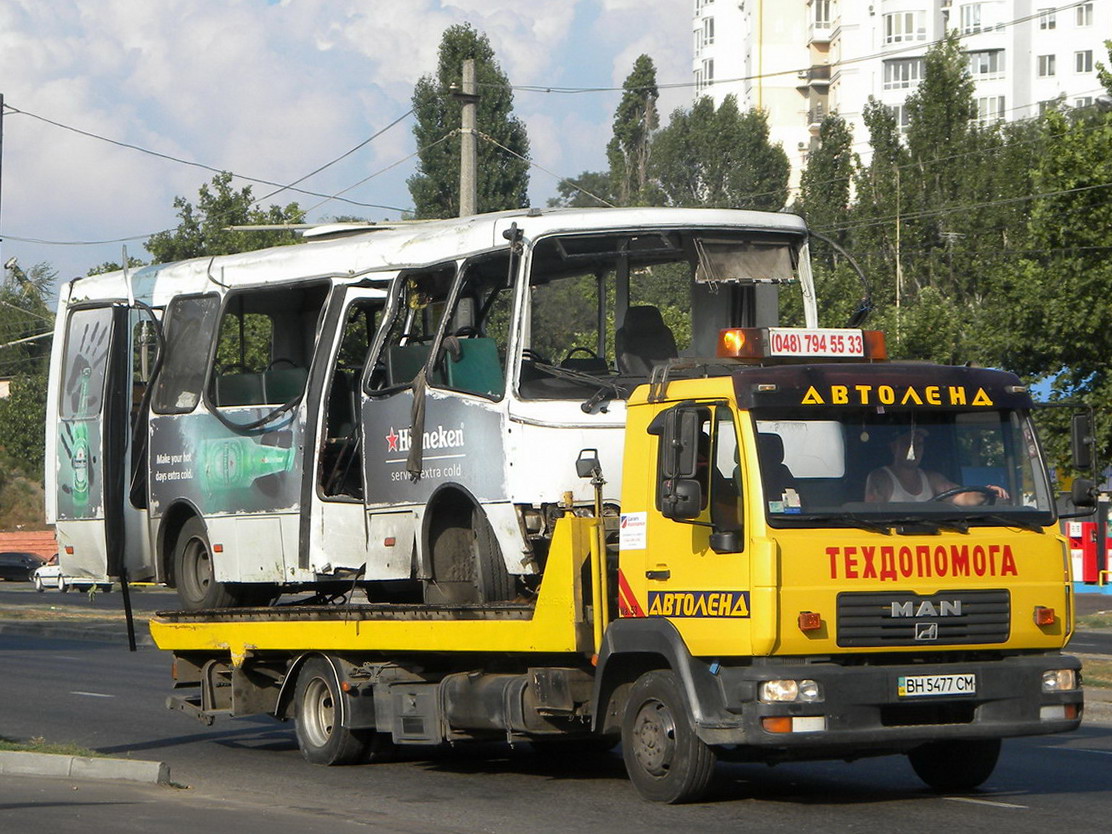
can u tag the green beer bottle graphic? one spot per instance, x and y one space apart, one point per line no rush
237 462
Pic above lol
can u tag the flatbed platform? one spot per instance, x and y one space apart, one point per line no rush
559 622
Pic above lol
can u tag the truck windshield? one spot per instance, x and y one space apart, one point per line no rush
847 467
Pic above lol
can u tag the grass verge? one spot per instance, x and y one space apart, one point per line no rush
41 745
1096 672
1101 619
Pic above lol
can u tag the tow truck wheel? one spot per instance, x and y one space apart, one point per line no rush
955 765
317 711
194 573
665 759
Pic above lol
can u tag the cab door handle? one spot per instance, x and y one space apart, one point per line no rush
658 574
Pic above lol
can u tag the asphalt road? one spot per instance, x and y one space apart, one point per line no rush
103 697
142 599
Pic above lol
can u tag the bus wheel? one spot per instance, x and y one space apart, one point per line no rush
193 570
665 759
467 564
955 765
317 716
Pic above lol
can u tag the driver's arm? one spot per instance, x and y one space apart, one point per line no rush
939 483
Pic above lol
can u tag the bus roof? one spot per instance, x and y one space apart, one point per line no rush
366 249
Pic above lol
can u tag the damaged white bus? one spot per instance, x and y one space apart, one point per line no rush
396 408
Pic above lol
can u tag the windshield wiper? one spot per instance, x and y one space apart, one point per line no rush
882 527
1007 521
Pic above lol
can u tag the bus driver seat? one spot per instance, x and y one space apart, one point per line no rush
642 341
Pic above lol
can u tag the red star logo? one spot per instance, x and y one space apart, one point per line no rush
392 440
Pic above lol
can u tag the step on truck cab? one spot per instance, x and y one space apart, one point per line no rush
819 555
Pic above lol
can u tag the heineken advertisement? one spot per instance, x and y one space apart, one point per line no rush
79 493
198 459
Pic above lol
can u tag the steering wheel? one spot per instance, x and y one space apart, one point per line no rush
281 361
590 353
990 496
467 331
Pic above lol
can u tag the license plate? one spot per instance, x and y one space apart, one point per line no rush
918 686
790 341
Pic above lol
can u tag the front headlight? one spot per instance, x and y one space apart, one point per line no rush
1059 680
790 691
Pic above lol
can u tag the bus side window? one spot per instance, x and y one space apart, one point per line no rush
190 327
422 300
265 341
472 355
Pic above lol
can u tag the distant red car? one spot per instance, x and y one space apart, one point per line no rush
18 567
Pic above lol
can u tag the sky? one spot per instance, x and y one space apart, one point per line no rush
273 89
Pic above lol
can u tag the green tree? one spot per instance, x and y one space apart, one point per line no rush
503 176
718 157
589 189
203 230
824 185
1058 301
25 325
634 122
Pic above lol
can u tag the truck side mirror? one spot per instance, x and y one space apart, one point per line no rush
1082 494
680 450
681 498
1081 441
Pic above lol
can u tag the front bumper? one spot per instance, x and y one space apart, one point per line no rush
862 710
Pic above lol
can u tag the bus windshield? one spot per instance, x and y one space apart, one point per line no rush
847 467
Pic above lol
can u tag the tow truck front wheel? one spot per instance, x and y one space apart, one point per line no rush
955 765
665 759
320 734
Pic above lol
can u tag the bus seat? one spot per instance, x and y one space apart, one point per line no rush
403 362
239 389
643 340
477 369
281 385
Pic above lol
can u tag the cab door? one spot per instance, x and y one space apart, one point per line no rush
92 443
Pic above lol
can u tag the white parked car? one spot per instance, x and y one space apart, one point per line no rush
51 576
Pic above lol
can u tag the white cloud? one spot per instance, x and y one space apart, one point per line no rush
274 90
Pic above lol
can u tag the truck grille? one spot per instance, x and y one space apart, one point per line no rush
948 618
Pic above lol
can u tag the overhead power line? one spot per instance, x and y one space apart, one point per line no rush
178 160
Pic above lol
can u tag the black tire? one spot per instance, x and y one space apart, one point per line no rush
194 576
955 765
467 563
317 713
665 759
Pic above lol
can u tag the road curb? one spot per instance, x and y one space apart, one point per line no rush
18 763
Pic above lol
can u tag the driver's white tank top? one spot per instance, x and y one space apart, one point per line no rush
900 494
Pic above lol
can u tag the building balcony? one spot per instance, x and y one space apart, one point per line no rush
819 32
817 75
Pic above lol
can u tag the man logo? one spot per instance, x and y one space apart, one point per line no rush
926 631
926 608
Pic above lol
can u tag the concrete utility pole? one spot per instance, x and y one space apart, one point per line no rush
469 151
1 152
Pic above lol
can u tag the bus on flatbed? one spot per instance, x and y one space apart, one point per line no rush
386 407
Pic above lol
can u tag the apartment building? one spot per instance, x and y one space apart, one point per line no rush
800 59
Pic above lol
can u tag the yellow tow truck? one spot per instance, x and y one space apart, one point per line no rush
819 554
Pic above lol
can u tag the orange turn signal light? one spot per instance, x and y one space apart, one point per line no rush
777 723
1044 616
810 621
